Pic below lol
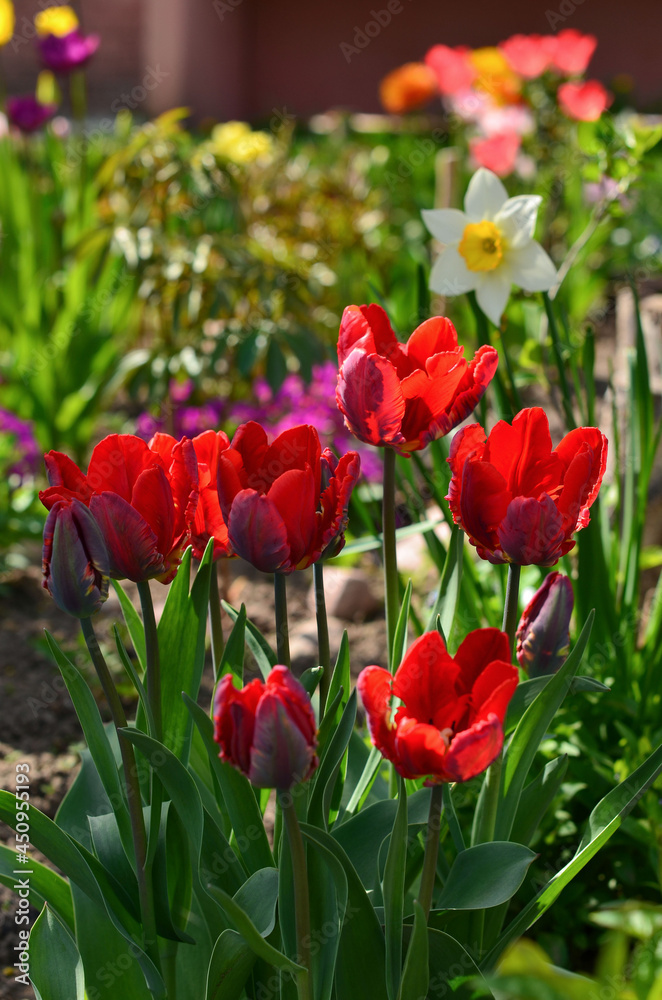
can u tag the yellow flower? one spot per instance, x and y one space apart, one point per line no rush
235 141
481 246
495 75
56 21
6 21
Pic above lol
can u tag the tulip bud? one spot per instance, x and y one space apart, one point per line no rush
543 634
75 559
267 730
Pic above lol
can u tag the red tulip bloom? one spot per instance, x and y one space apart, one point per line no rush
584 102
285 504
528 55
452 68
143 504
449 725
518 500
208 521
497 152
572 51
267 731
405 395
407 87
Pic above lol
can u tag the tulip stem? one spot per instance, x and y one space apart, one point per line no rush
301 896
510 616
132 788
282 627
431 850
153 658
215 622
504 405
391 584
322 634
556 344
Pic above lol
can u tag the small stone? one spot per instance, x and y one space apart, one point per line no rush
349 594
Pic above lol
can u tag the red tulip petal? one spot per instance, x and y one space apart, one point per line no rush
162 444
252 444
208 524
468 444
425 681
473 750
234 720
584 453
62 471
471 389
370 398
374 686
523 454
55 494
208 446
116 463
296 448
152 498
295 498
483 503
480 647
335 501
429 398
434 336
230 479
131 543
257 532
532 532
183 479
368 328
493 690
281 756
296 698
421 750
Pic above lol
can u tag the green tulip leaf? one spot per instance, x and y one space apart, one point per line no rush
394 893
263 654
416 972
230 966
485 875
46 886
56 969
245 926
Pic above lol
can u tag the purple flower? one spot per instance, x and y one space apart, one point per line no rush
27 113
543 634
27 450
64 53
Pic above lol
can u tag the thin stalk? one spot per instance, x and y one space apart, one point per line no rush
301 896
391 584
504 405
153 657
215 623
431 850
510 616
556 345
132 787
282 627
322 633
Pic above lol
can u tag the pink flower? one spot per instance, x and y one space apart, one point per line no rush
572 51
584 102
452 67
27 113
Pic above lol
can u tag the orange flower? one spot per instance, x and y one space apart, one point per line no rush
408 87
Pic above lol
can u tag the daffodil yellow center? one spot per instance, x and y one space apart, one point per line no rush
56 21
481 246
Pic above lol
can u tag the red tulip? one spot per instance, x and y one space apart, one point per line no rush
452 68
405 395
518 500
267 731
497 152
209 521
449 724
584 102
285 504
543 633
528 55
407 87
572 51
143 504
75 560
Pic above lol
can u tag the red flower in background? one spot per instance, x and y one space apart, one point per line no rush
408 87
208 521
451 67
528 55
584 102
517 499
144 504
405 395
285 504
498 152
449 725
267 731
572 51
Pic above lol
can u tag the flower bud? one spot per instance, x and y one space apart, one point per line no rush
267 730
75 559
543 634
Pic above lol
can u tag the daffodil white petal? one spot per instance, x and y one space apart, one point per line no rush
531 268
492 293
450 274
485 196
446 224
517 219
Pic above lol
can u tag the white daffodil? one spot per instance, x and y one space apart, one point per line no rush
490 246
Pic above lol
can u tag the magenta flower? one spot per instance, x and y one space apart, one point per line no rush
26 113
65 53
